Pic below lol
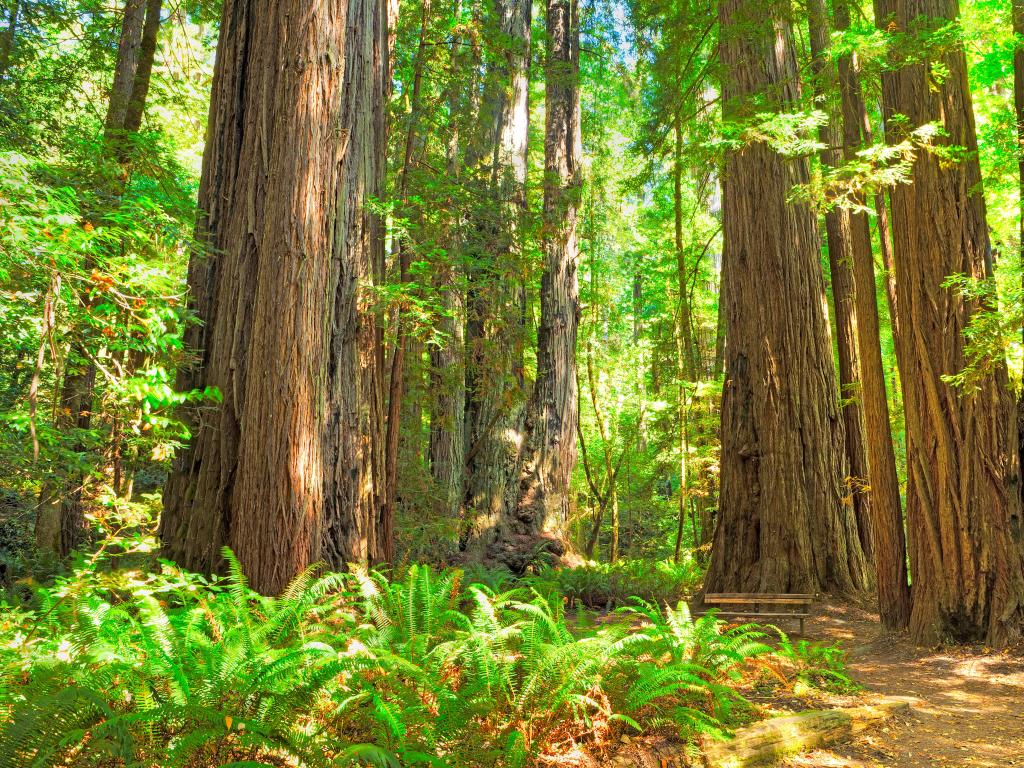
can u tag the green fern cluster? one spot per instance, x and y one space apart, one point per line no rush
344 669
603 585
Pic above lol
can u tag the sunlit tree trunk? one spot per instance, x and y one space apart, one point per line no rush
890 548
782 525
963 492
494 326
550 432
286 468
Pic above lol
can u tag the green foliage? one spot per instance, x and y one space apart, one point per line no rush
602 585
115 666
817 664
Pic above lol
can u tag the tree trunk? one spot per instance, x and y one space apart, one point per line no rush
278 470
128 50
887 514
397 379
7 41
494 326
553 411
890 546
355 426
60 514
144 70
447 445
1018 102
963 494
782 524
838 228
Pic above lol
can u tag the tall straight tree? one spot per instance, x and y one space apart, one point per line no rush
838 228
494 326
289 459
888 537
553 412
60 518
782 524
963 496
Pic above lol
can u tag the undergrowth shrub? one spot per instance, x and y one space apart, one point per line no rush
126 668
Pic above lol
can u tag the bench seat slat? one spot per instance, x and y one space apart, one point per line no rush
732 600
760 594
754 615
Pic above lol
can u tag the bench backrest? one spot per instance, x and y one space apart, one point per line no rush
751 598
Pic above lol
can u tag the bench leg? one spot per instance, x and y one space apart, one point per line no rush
801 625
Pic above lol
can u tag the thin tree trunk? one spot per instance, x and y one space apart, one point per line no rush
402 340
128 50
61 506
144 70
447 359
963 494
838 227
9 37
890 547
782 525
277 470
684 322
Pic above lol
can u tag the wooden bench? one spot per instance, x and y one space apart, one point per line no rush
755 606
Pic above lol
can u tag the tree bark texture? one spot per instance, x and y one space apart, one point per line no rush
782 524
287 467
553 411
888 537
494 326
963 493
839 232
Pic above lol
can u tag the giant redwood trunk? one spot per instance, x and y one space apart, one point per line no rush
838 228
782 524
888 537
966 536
553 412
494 324
285 467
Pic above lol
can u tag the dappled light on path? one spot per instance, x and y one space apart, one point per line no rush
967 702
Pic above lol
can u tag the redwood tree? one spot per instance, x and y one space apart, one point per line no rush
888 537
963 494
286 466
782 524
494 306
838 228
553 412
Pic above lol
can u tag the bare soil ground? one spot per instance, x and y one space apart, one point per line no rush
967 702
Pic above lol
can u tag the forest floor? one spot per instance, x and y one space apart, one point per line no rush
966 702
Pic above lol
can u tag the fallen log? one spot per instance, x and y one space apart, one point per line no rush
771 740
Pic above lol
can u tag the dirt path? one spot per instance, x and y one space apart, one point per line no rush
969 709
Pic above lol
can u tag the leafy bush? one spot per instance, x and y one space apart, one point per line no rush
120 667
